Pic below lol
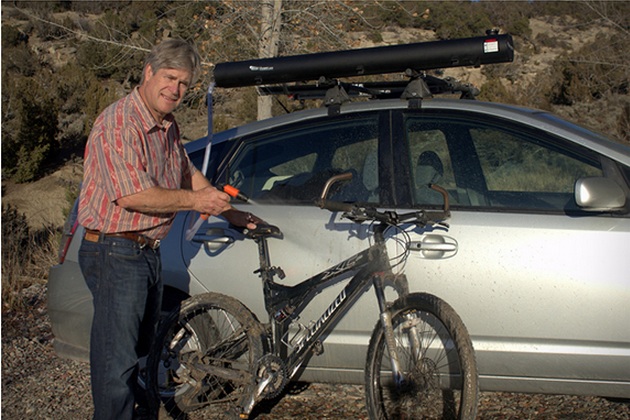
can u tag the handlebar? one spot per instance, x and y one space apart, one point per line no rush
361 214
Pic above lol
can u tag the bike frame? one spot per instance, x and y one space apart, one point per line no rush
373 268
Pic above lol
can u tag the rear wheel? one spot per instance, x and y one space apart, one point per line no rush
204 354
436 359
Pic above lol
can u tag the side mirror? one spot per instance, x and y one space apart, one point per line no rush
599 194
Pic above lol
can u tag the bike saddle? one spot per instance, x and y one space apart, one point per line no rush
263 230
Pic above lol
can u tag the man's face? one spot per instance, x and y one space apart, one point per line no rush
164 90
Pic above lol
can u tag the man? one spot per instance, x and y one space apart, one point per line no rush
136 177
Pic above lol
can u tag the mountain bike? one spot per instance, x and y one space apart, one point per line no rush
420 359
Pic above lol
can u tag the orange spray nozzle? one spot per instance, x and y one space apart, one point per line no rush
235 193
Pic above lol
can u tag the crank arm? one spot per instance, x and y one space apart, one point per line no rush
229 374
252 397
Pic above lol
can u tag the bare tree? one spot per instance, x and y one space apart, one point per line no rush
268 44
242 30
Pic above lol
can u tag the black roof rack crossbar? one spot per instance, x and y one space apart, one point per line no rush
372 90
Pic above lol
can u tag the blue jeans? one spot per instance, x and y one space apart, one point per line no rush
126 285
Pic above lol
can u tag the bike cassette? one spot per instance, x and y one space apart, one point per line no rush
272 369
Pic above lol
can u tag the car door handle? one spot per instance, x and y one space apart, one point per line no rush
435 246
213 238
445 247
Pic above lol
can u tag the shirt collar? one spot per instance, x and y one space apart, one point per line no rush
148 121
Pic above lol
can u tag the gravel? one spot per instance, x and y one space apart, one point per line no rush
36 384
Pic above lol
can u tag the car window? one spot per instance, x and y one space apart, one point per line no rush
522 172
430 162
516 165
493 164
293 163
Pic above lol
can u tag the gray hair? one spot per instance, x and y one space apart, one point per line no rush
174 54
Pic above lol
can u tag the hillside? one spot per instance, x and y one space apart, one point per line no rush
548 40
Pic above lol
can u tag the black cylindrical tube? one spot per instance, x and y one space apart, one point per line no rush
379 60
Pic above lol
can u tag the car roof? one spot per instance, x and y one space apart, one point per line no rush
536 118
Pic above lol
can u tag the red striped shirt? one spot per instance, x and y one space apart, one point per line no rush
128 152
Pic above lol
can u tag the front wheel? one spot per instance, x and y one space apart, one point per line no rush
436 362
204 354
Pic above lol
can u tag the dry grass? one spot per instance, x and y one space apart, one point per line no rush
26 256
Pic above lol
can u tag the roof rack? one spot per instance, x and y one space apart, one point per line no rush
374 90
272 75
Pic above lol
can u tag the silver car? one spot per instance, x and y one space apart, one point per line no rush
536 261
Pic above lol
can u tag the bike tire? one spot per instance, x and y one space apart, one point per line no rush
442 345
211 330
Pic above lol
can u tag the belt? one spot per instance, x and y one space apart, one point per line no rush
144 241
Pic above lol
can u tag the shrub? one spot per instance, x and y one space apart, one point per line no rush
19 60
30 162
518 26
102 94
72 87
598 69
26 151
12 37
391 13
452 20
546 40
16 56
375 37
494 91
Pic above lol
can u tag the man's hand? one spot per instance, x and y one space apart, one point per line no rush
241 218
211 201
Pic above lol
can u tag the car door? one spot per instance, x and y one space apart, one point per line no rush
542 286
283 171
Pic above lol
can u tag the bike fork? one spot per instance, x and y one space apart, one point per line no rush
388 329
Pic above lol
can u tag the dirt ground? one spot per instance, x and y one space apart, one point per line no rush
45 201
